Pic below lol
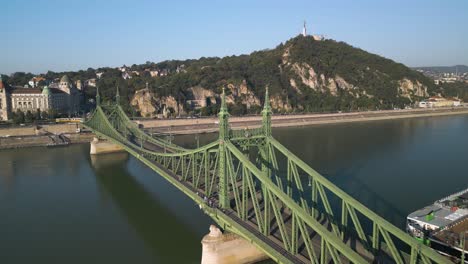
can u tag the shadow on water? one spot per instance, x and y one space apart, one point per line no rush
168 238
365 194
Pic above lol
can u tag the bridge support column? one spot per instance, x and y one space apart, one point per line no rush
219 248
100 146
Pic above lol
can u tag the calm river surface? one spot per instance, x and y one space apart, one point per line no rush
62 206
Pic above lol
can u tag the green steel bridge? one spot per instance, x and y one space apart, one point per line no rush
261 191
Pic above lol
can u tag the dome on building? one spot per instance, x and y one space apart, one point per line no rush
65 79
46 90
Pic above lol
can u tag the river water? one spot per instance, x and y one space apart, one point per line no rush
60 205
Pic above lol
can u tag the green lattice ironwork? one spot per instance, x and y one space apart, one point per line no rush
266 194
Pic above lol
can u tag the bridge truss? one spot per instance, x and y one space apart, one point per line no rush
261 191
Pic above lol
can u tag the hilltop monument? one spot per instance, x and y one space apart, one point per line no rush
304 29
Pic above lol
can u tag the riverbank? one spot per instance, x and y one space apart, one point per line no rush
31 130
207 125
32 136
27 141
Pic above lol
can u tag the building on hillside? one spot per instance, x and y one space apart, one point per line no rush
126 75
99 74
438 101
154 73
91 82
62 97
318 37
79 85
35 81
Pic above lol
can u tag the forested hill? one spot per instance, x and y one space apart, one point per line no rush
302 74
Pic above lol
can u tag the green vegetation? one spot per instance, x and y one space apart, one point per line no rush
458 89
19 117
369 74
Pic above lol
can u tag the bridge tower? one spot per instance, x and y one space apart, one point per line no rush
266 115
223 116
264 151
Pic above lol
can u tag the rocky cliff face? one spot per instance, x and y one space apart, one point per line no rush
149 105
303 74
202 96
242 92
144 102
307 75
278 103
409 89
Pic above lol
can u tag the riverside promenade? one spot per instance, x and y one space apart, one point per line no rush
207 125
29 136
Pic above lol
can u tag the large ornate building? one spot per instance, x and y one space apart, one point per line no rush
63 97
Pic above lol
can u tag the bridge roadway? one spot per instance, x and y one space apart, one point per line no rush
225 167
228 213
274 239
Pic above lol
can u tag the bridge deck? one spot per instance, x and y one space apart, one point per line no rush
244 188
274 239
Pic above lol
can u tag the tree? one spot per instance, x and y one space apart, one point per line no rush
361 73
18 117
37 115
41 83
238 109
29 117
45 115
52 113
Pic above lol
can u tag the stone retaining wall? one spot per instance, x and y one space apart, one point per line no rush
31 130
39 141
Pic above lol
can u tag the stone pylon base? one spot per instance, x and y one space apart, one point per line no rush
100 146
219 248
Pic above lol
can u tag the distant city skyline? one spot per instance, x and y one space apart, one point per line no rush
38 36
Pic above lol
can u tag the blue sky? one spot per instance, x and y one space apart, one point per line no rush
41 35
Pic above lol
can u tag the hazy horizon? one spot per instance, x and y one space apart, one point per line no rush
78 35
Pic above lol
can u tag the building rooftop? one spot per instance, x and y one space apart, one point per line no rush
20 90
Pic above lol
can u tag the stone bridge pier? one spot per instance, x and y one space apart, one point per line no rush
102 146
228 248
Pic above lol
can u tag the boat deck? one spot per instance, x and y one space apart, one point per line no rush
451 234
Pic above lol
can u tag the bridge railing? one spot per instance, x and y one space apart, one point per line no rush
197 167
245 133
258 200
144 135
258 194
122 124
350 214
